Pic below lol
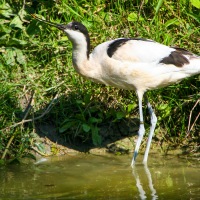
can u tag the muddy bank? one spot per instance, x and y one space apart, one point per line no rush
116 140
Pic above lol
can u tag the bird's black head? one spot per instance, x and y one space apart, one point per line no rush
74 26
77 33
77 26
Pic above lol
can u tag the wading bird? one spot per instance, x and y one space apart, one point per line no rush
131 64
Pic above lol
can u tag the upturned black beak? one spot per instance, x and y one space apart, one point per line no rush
59 26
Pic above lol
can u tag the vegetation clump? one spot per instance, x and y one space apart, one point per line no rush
41 94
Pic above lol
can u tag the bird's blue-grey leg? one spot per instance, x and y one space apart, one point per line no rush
152 128
141 128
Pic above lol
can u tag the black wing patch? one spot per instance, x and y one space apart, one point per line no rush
112 48
177 57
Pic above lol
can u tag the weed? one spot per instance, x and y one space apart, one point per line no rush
36 57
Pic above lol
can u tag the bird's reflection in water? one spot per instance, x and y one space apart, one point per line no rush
139 184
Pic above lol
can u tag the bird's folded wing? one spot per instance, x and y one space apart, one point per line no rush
147 51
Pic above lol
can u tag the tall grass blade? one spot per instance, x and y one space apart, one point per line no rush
159 4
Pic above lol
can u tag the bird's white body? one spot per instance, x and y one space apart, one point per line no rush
134 66
130 64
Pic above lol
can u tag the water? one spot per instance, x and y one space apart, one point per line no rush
96 177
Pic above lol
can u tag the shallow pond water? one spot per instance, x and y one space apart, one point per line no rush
101 177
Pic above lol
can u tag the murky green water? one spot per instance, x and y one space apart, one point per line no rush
101 177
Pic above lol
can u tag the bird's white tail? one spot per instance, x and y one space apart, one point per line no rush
193 67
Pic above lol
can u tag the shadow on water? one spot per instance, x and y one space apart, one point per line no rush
101 177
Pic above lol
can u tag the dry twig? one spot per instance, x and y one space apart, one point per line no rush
36 118
24 120
191 127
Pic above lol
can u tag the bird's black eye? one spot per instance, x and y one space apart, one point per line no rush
76 27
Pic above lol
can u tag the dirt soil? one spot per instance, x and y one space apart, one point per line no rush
117 139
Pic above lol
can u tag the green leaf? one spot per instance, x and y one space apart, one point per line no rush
4 39
171 22
22 13
20 57
131 107
94 120
66 126
9 56
4 29
16 22
40 147
120 115
64 38
16 42
86 127
133 17
162 106
5 10
195 3
87 98
96 138
79 102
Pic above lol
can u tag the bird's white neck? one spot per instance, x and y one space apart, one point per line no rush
79 55
81 48
83 62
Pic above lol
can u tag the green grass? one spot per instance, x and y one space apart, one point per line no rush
37 58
